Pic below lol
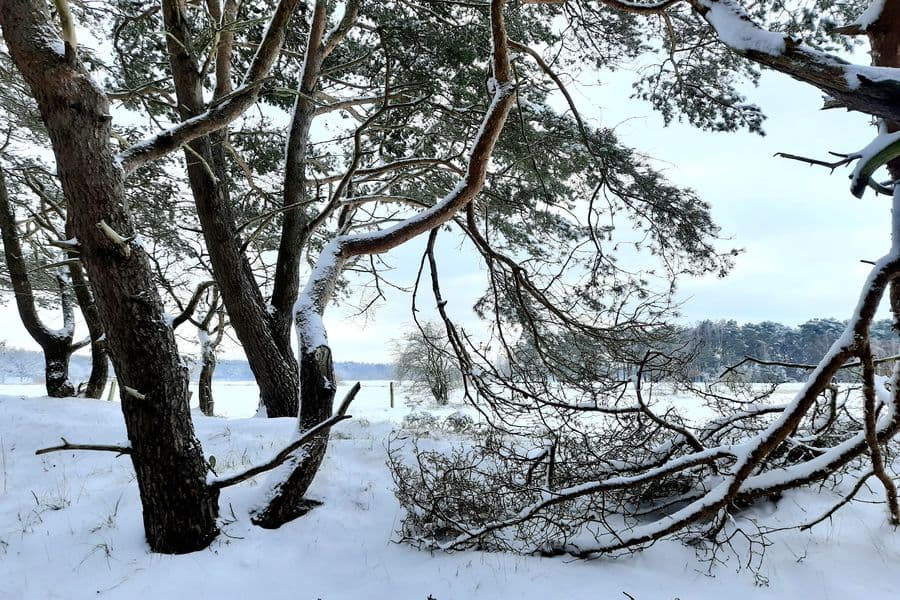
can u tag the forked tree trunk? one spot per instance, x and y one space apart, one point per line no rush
284 500
179 509
56 345
273 365
271 360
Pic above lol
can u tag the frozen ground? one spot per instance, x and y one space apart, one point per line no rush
70 527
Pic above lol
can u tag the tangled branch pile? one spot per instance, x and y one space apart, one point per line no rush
558 469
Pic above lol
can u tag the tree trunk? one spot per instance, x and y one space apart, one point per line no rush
207 404
286 500
179 509
884 40
56 370
295 228
99 360
56 345
273 364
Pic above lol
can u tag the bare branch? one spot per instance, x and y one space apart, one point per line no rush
286 453
120 450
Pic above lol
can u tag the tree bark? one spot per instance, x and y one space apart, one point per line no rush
207 402
295 226
287 498
179 509
99 359
56 370
884 40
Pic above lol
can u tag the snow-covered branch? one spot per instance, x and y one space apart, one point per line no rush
227 108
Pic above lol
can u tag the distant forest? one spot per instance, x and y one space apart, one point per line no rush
725 343
719 345
18 364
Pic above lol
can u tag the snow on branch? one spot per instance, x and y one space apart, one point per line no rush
218 116
872 90
557 496
226 109
741 477
320 286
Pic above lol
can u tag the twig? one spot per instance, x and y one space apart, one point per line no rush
789 365
61 263
845 159
846 500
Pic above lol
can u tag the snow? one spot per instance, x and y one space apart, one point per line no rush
735 29
312 301
881 143
70 526
870 15
57 46
854 74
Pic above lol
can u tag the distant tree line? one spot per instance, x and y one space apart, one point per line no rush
19 364
723 343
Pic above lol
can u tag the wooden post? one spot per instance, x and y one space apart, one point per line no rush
391 385
112 390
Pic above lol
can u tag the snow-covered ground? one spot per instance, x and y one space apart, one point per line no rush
70 526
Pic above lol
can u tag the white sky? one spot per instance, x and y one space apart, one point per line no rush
804 234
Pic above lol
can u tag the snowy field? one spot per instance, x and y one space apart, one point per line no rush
70 526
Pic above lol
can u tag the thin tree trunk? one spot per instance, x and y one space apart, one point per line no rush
179 509
296 224
99 359
207 403
274 366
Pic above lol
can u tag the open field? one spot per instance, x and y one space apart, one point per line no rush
70 526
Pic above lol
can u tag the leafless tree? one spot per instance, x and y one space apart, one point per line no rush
423 358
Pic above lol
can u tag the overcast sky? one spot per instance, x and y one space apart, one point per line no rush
803 233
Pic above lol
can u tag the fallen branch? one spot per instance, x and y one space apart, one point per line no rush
120 450
287 451
844 501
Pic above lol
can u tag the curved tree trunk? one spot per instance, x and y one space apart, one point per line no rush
56 345
286 499
179 509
